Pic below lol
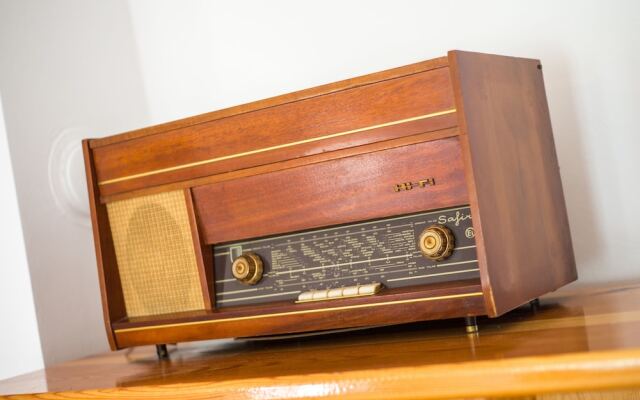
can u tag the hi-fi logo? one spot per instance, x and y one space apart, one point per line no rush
410 185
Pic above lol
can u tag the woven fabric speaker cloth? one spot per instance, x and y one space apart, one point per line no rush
155 254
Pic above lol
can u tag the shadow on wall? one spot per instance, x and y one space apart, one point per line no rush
574 168
69 69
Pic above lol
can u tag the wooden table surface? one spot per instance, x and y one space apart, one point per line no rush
582 340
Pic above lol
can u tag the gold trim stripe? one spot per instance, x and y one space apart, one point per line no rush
452 296
277 147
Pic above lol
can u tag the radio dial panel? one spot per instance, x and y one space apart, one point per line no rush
331 263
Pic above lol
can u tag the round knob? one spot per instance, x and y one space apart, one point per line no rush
247 268
436 242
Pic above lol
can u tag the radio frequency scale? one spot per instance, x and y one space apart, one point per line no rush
386 252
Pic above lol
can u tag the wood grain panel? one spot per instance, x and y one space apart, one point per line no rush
146 159
522 229
464 300
438 289
346 190
287 164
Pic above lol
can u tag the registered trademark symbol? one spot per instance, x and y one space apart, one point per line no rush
469 233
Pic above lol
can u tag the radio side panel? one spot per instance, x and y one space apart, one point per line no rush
523 237
113 307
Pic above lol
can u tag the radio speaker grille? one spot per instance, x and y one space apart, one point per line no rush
155 254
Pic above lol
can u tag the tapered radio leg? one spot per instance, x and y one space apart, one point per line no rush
163 353
471 325
535 305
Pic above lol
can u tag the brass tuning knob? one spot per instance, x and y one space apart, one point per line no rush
436 242
247 268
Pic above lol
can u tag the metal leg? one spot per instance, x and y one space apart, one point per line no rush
471 325
534 304
163 353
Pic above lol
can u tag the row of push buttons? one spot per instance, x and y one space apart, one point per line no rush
340 293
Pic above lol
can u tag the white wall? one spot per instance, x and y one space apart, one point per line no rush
20 342
68 69
75 66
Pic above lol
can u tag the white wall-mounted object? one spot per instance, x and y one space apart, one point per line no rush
67 177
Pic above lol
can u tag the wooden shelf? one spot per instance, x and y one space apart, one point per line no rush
580 340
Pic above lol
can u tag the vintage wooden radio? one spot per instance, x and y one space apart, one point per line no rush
424 192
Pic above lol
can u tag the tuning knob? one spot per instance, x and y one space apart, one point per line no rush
436 242
247 268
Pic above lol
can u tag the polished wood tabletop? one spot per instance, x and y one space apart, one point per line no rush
578 340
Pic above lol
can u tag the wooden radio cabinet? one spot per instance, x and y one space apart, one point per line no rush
428 191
